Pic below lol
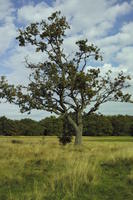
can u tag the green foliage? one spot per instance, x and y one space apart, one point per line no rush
93 125
30 127
8 127
97 125
121 124
7 91
52 126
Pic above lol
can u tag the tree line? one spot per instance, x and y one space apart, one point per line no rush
94 125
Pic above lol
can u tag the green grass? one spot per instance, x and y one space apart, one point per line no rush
32 168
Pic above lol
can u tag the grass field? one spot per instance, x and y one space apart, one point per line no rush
35 168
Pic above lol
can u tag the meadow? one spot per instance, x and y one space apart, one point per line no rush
39 168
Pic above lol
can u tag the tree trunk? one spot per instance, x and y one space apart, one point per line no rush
78 127
78 136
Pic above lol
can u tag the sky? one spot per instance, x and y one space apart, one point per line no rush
106 23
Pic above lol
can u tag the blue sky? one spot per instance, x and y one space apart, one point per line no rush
107 23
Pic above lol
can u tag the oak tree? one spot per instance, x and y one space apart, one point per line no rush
60 84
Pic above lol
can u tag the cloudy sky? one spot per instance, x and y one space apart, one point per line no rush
107 23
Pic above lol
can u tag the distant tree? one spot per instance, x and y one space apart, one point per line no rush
29 127
121 125
8 127
51 126
97 125
59 84
93 125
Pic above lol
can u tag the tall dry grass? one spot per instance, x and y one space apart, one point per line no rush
48 168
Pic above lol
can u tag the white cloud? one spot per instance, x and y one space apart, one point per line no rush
34 13
113 108
6 9
125 58
7 28
7 36
92 18
108 67
122 38
16 62
12 111
112 45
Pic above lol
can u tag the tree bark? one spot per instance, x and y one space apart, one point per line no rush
78 136
78 127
